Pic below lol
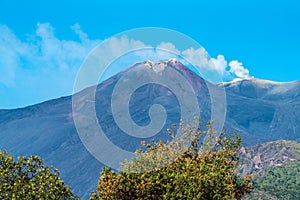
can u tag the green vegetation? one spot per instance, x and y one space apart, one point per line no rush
282 182
160 172
277 182
28 178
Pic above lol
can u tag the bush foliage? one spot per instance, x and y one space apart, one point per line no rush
28 178
184 168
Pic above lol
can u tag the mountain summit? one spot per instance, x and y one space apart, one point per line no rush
259 110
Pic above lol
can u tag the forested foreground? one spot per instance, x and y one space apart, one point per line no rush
198 165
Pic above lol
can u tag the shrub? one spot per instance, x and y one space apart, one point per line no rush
28 178
184 168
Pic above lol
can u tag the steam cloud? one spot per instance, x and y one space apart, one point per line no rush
48 65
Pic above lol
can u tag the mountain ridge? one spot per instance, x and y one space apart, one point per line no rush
47 129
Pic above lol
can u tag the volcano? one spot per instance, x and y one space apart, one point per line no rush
259 110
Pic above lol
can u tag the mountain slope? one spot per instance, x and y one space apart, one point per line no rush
48 129
263 110
271 154
276 169
259 112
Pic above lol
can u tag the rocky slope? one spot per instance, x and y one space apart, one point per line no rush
271 154
275 167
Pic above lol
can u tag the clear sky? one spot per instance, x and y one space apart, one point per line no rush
263 35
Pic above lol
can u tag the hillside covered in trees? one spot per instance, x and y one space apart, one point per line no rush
276 169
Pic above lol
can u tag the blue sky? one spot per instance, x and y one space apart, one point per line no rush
263 35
